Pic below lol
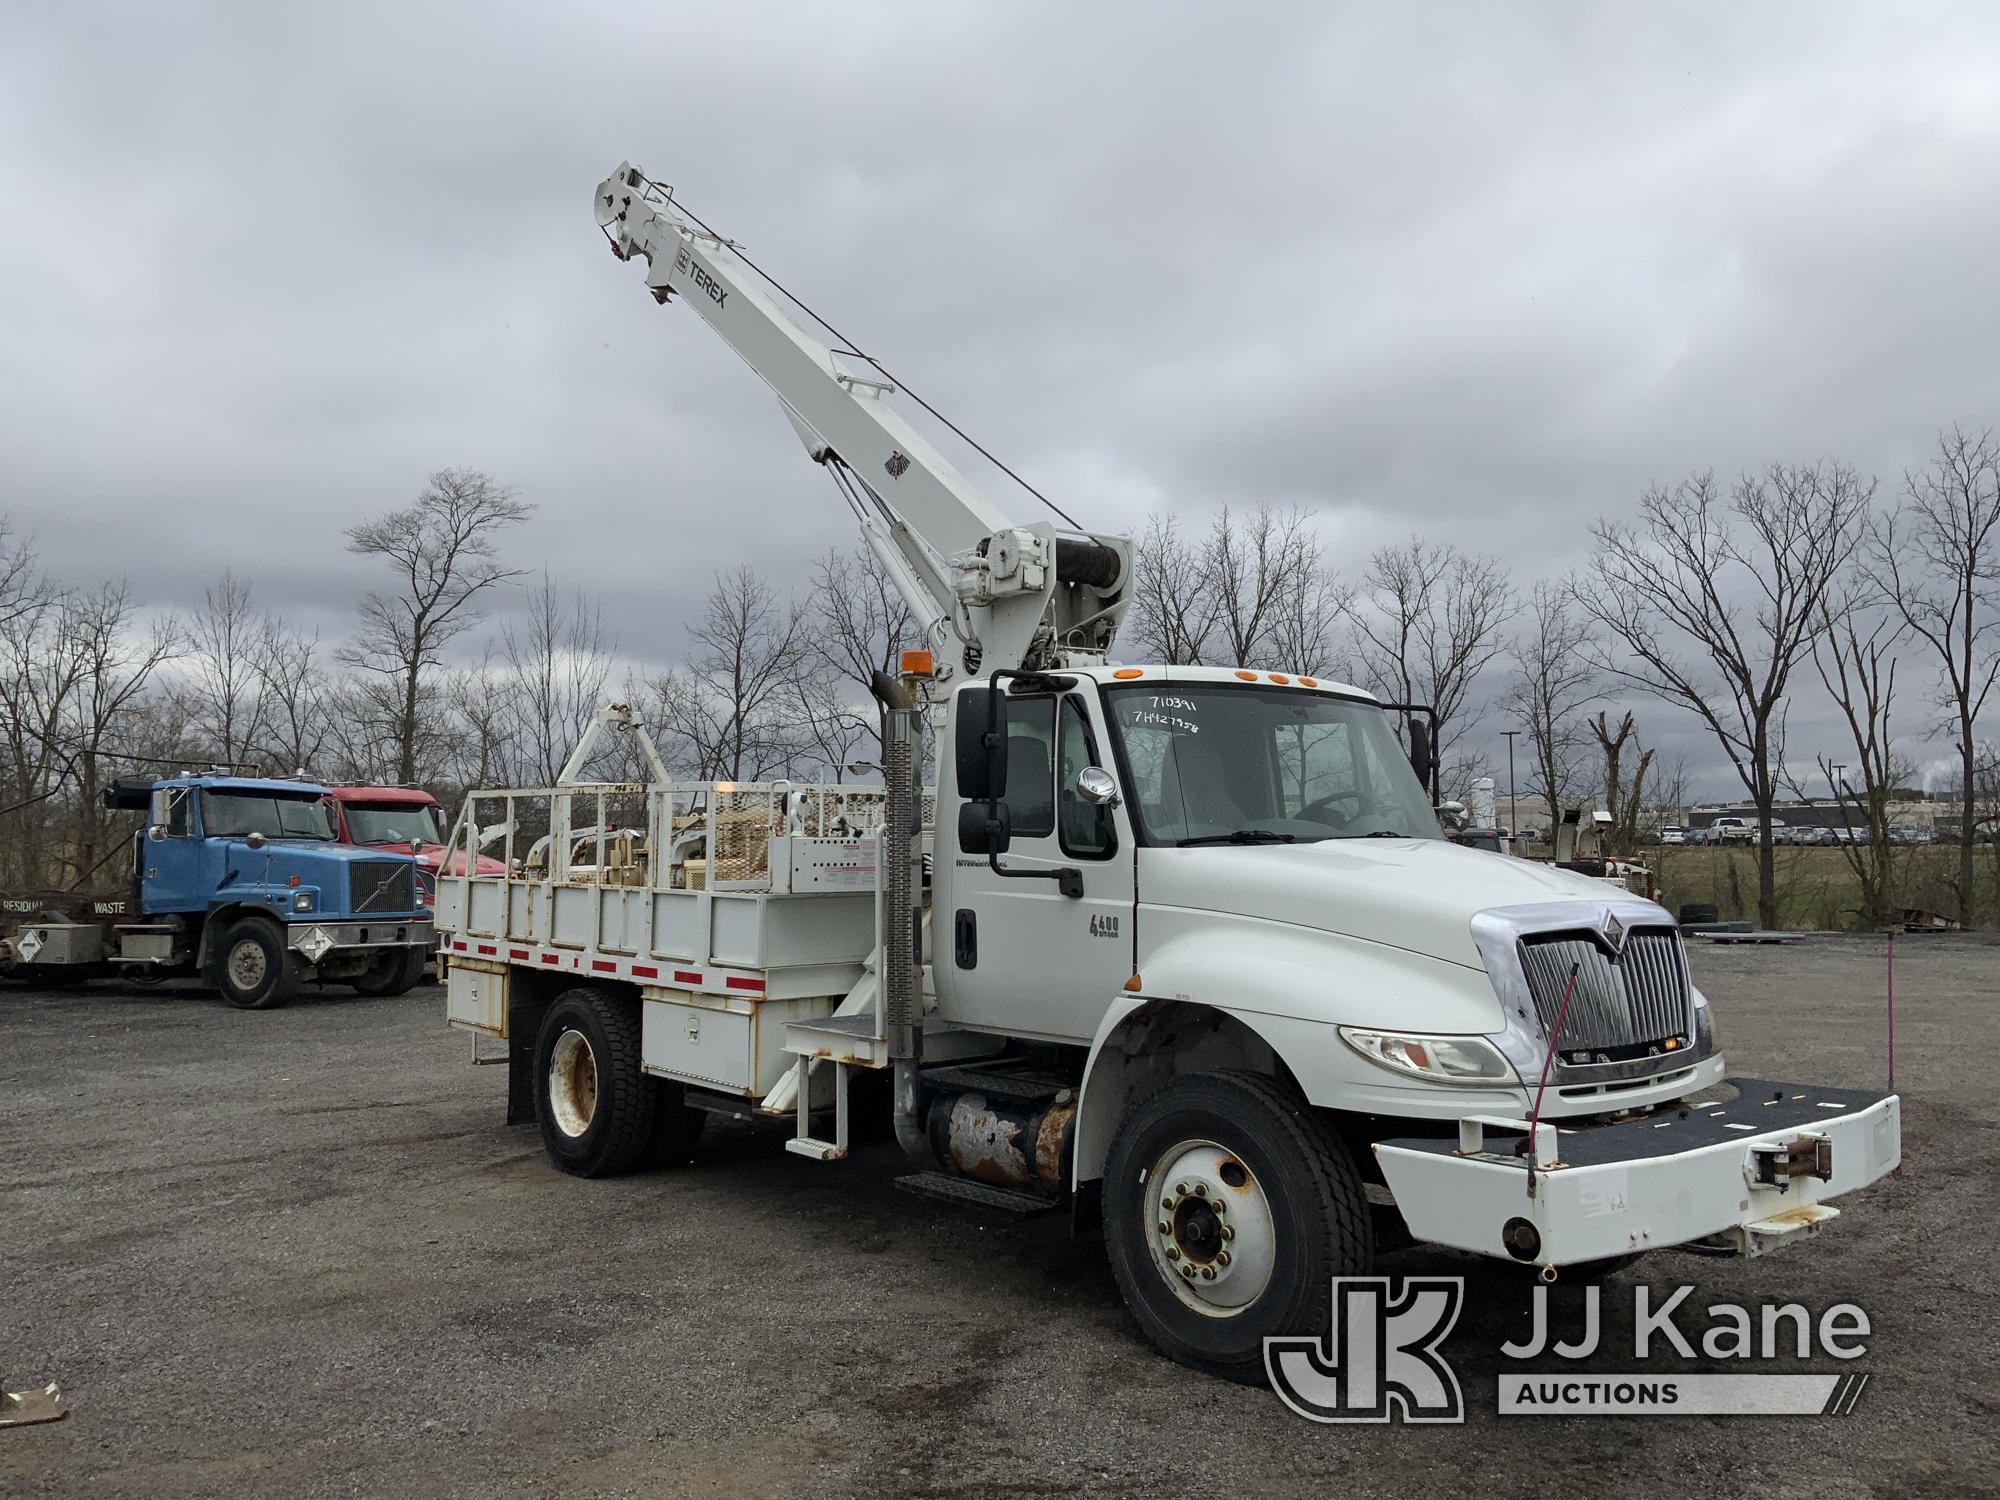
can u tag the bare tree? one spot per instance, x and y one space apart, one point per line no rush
442 549
1429 620
1855 655
225 707
1624 797
1937 558
1554 680
296 694
860 622
1173 609
1712 603
557 660
727 712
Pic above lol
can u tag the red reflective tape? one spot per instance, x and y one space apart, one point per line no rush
604 966
551 958
488 949
737 982
684 976
517 952
645 971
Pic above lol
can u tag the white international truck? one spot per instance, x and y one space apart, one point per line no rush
1180 948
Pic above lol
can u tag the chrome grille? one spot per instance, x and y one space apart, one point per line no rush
380 885
1639 1000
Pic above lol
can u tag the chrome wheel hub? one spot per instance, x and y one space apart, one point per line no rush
247 964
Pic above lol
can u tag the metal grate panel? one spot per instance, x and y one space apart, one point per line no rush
1639 999
381 885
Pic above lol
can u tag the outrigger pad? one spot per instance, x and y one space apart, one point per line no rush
21 1408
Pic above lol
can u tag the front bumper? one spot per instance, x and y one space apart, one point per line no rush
1747 1175
316 940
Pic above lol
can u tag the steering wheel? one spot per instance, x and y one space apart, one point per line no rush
1317 810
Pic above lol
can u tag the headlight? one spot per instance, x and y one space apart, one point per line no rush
302 900
1435 1059
1705 1039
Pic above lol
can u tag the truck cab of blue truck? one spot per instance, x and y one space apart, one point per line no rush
238 880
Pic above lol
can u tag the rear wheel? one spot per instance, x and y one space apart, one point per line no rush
254 969
1228 1212
392 972
598 1109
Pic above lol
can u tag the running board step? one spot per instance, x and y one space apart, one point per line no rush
981 1081
963 1191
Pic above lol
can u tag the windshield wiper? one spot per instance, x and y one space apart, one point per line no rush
1241 836
1387 833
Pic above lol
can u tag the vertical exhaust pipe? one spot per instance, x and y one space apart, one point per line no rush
902 912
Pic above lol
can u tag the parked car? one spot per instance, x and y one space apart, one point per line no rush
1673 833
1728 830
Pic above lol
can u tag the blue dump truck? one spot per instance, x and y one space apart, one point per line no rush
238 880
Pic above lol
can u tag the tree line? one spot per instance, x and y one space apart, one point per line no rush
1714 599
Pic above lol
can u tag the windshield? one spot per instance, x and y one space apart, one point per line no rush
393 823
1213 763
228 814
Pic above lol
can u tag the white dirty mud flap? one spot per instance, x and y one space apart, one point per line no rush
1747 1174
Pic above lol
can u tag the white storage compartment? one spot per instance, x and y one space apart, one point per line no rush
475 996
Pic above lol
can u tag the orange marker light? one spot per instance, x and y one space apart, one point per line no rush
1307 682
1281 679
1246 676
1125 674
1133 984
918 664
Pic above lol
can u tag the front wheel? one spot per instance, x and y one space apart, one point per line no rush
1228 1212
254 969
392 972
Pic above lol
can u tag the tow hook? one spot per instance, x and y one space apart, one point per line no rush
1774 1164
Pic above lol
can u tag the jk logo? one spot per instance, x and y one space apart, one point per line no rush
1379 1362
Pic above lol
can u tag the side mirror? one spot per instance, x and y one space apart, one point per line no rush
157 834
1097 786
255 840
416 847
981 744
982 833
1423 758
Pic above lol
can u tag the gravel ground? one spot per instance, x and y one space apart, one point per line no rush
297 1253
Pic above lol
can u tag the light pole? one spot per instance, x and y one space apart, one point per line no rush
1513 792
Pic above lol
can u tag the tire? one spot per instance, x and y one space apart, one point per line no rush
1301 1216
254 970
597 1109
393 972
1695 913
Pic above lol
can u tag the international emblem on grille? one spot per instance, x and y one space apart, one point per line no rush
1614 931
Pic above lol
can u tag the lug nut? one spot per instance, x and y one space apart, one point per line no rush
1222 1259
1173 1252
1208 1273
1180 1189
1188 1271
1229 1231
1165 1227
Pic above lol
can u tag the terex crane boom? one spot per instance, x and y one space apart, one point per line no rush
1198 962
1012 596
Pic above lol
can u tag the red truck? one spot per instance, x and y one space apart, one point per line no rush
406 819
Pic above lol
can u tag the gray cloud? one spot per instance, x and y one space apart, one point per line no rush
1469 271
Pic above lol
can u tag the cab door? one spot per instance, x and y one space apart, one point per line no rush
173 857
1012 952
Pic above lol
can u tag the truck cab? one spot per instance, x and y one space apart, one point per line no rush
399 819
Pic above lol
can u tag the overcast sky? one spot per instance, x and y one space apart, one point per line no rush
1482 272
